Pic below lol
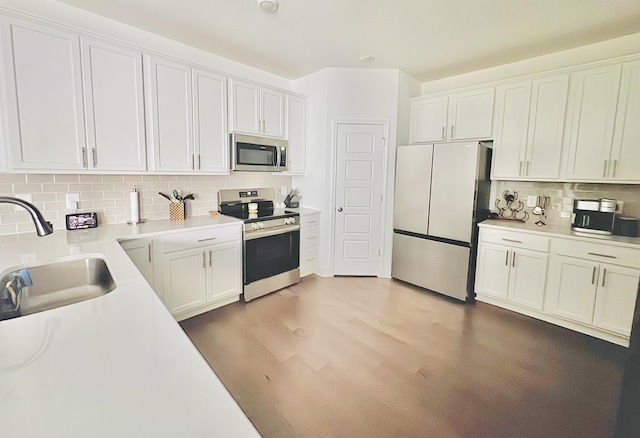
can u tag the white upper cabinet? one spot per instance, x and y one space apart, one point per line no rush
297 133
461 116
594 96
256 109
529 129
44 102
186 118
210 116
114 103
625 151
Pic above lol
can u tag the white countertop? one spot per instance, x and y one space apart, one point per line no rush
561 231
116 365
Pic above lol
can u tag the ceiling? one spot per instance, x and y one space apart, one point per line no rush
428 39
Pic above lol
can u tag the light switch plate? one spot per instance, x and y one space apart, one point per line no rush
532 201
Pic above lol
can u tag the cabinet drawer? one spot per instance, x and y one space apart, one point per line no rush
514 239
598 252
308 237
310 220
191 239
308 261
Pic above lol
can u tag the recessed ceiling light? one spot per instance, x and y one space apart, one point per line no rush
367 59
268 5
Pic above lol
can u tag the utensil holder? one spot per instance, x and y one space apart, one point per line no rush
176 211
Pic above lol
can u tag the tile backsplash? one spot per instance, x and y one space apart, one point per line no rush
562 195
108 195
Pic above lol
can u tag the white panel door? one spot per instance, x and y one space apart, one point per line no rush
225 272
185 279
492 277
297 134
471 114
412 188
171 114
595 96
428 120
272 102
210 122
512 122
528 278
616 298
114 107
245 104
453 186
358 198
45 114
572 288
626 137
546 127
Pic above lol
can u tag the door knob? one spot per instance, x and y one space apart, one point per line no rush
339 208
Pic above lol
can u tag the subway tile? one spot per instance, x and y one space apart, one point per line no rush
11 178
113 178
34 178
8 229
101 187
67 178
6 189
103 203
115 194
55 206
44 197
57 187
85 196
80 187
27 188
91 178
16 218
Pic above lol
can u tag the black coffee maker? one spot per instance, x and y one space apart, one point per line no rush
594 215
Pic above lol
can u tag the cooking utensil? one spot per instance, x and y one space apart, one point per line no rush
189 196
164 195
177 196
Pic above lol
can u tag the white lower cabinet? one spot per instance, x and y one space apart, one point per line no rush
582 284
197 271
309 241
140 251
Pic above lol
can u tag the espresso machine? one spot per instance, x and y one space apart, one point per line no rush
594 215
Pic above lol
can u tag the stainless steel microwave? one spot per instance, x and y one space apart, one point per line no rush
258 154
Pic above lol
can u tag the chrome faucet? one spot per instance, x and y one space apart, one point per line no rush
42 226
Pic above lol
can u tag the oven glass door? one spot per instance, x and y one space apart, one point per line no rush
256 155
271 255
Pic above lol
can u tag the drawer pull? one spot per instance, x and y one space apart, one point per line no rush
604 276
206 240
602 255
506 258
593 276
511 240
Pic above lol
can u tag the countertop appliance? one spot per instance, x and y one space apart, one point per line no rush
271 240
594 215
258 154
441 192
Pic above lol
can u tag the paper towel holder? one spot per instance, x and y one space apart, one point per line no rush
135 205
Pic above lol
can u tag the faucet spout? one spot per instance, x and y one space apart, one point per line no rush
42 226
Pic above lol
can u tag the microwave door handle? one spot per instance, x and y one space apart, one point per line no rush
278 157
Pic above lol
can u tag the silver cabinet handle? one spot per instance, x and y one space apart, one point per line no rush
443 132
210 256
593 275
193 162
149 251
511 240
513 260
84 157
94 156
339 209
259 126
263 126
198 161
526 168
520 168
604 276
451 131
604 172
506 258
602 255
615 167
207 239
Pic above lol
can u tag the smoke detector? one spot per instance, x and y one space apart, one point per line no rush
268 5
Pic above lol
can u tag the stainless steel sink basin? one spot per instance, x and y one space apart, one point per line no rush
43 287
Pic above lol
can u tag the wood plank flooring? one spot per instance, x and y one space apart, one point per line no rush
371 357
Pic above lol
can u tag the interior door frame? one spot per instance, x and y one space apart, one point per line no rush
333 185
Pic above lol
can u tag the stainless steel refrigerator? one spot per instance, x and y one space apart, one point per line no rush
441 193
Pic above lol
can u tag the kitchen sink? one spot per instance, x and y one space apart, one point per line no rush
38 288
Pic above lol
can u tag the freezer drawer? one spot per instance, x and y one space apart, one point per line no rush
437 266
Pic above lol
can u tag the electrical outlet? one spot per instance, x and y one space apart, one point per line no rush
283 190
532 201
73 201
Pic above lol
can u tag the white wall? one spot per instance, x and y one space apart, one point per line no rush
614 48
350 95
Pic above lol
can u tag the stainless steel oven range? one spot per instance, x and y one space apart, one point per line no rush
271 240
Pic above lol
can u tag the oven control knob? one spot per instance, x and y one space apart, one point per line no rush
254 226
292 220
286 221
260 225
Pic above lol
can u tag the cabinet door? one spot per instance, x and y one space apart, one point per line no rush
528 277
546 127
245 104
594 98
184 278
428 120
471 115
140 253
297 134
114 106
626 138
492 277
44 100
210 122
225 272
512 122
272 109
170 127
616 298
572 288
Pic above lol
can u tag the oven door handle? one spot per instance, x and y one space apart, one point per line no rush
271 232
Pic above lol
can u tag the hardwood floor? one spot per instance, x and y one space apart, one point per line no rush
370 357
